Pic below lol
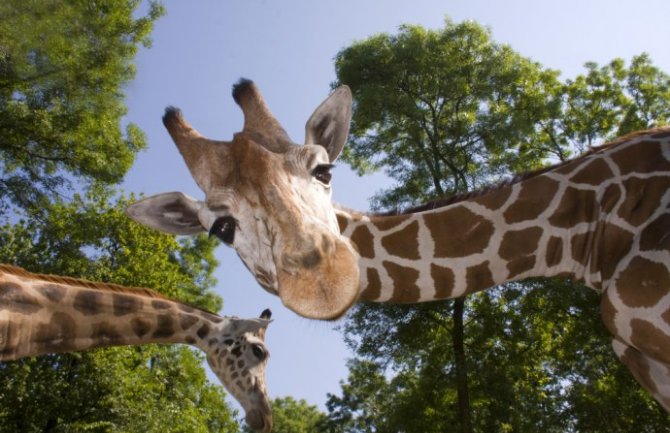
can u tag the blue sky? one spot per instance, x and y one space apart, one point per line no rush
202 47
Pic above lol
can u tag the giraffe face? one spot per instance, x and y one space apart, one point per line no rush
237 354
270 200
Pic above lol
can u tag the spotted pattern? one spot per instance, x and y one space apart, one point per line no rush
72 316
602 219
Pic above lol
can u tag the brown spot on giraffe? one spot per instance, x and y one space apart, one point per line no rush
648 338
57 334
363 240
520 265
342 223
479 277
517 248
203 331
124 304
444 281
404 280
643 157
403 243
494 199
387 223
610 198
187 320
567 167
655 236
160 305
88 302
106 333
186 308
14 299
460 231
554 253
643 283
164 326
374 286
641 198
576 206
594 173
517 243
52 292
140 326
533 199
580 247
612 244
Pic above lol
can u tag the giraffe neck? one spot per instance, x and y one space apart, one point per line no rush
577 219
44 314
448 253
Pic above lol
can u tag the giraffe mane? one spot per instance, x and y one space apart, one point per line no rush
519 177
80 282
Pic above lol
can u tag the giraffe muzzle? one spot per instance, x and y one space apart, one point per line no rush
319 286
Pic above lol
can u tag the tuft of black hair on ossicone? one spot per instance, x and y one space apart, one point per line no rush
240 87
171 113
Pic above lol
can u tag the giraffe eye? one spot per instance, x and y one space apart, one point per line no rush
224 229
258 351
322 173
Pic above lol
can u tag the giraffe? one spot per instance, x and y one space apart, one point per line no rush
42 314
601 219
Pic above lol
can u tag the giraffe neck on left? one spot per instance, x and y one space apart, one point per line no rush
585 219
46 314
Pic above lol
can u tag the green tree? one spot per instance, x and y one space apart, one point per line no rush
62 65
62 68
613 100
442 111
447 111
149 388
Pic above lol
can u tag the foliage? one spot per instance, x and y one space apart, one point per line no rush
611 101
62 65
444 111
150 388
62 68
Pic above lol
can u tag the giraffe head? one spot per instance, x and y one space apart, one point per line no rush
237 354
270 199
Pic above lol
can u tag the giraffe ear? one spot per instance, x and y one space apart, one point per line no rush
254 326
329 124
171 212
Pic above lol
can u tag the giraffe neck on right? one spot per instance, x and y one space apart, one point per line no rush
576 220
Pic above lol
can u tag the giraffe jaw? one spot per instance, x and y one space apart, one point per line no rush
259 422
325 291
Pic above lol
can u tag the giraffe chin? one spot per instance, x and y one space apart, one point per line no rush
256 421
323 292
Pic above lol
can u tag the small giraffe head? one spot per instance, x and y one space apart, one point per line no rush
237 354
270 199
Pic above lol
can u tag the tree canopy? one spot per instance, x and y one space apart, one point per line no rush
446 111
62 69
